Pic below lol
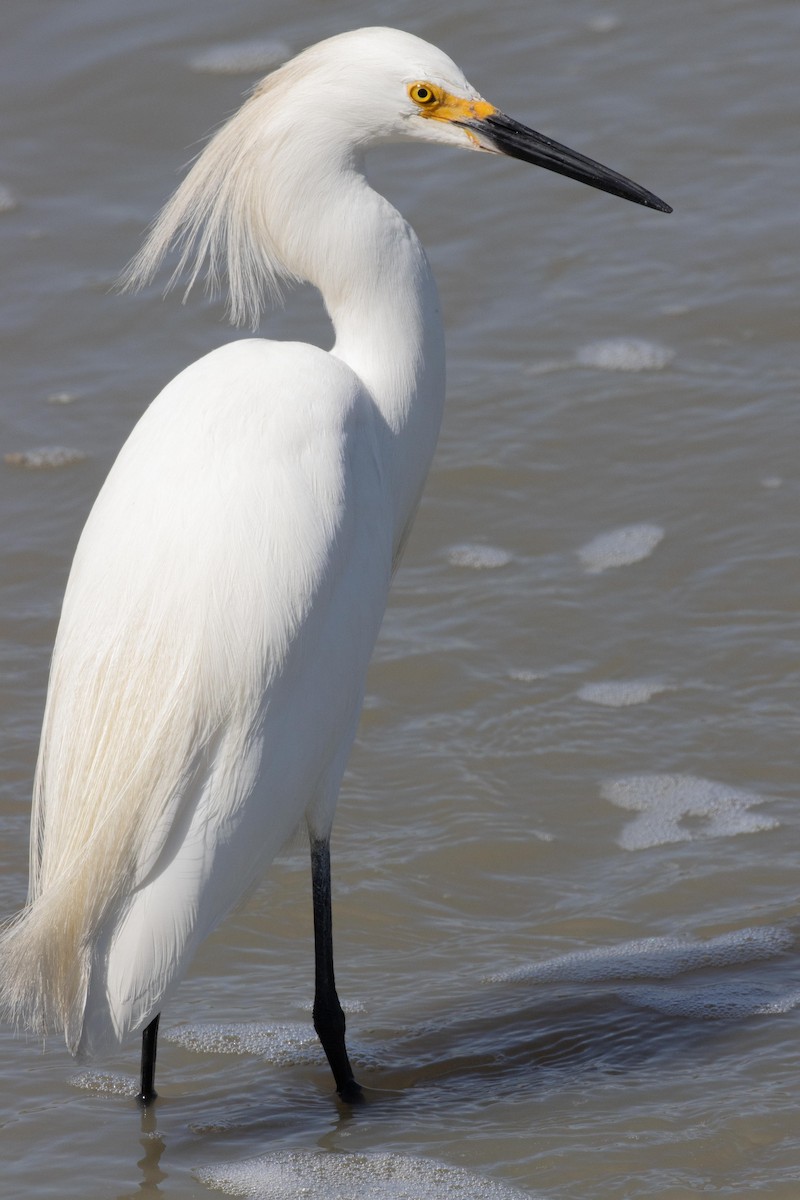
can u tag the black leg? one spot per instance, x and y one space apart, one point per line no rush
328 1016
148 1092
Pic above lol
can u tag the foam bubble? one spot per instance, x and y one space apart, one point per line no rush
725 1001
8 200
621 693
655 957
241 58
44 458
620 547
286 1175
525 675
665 801
108 1083
605 23
478 558
283 1044
625 354
548 366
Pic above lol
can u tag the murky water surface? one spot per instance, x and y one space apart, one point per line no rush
566 852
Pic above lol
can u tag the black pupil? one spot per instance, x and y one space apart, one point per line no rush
422 93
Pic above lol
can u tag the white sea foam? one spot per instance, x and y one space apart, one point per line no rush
61 397
620 547
7 199
108 1083
549 366
625 354
241 58
283 1044
604 23
44 458
726 1001
621 693
287 1175
525 674
664 802
655 957
478 558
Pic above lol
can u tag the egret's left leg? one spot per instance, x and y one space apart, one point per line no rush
148 1093
328 1016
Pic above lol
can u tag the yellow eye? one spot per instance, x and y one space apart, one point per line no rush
422 93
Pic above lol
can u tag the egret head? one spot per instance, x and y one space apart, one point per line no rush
253 197
386 84
358 88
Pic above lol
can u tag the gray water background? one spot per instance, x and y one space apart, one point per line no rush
559 756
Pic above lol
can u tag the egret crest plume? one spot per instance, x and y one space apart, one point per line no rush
220 217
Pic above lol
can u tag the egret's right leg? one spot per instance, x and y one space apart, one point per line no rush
147 1092
328 1016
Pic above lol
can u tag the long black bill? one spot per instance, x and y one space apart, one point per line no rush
517 141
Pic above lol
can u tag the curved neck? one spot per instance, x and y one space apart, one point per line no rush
380 294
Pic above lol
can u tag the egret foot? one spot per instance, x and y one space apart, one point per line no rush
351 1093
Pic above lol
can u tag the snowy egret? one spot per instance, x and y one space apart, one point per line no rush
228 587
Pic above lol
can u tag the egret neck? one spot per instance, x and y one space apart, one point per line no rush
387 321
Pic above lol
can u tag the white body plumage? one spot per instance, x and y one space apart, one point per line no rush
223 642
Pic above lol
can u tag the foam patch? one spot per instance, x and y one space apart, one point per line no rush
478 558
524 675
548 366
288 1175
7 199
44 458
241 58
604 24
656 957
620 694
285 1044
727 1001
620 547
288 1044
665 802
107 1083
625 354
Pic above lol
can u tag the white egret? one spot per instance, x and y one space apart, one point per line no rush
228 587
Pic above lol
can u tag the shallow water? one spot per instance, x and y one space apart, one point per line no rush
566 852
